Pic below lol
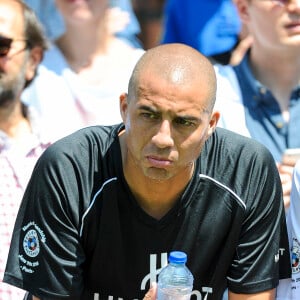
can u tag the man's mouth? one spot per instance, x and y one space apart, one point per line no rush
158 161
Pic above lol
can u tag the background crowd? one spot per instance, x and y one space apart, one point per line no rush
67 73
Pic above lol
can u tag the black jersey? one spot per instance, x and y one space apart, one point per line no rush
80 234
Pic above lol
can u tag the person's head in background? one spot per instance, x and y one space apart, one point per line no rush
92 24
54 26
274 25
22 44
82 12
104 13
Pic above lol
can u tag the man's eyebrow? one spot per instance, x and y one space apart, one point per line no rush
147 108
188 118
184 117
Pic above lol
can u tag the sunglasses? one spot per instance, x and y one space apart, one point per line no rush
5 45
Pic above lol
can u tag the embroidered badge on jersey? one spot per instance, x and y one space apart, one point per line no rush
31 243
295 256
33 237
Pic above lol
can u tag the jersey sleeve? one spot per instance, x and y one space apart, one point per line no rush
46 234
261 256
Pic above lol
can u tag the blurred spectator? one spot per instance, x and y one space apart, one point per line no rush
260 97
54 24
212 27
83 74
150 16
21 140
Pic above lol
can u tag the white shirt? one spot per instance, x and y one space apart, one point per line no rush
17 160
67 103
229 101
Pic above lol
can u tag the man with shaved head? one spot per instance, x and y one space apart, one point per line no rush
106 205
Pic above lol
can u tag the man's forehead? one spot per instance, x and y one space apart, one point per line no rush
11 18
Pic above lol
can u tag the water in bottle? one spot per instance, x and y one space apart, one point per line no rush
175 281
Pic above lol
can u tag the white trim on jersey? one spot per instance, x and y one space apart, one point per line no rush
225 187
92 203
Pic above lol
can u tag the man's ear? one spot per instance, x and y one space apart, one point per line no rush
242 8
215 116
35 57
123 106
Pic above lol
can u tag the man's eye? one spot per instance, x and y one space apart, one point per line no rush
184 122
149 115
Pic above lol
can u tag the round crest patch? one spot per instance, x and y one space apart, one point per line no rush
295 256
31 243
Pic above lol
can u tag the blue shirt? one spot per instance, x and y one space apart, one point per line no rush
212 27
263 116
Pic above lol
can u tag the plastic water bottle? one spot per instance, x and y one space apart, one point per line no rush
175 281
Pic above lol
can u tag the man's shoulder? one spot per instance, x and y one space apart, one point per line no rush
97 133
228 136
234 142
85 141
237 161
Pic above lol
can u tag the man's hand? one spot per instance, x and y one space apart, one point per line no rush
151 294
239 52
285 170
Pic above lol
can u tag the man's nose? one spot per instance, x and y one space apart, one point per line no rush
163 137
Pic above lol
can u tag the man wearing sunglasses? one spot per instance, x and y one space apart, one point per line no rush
21 49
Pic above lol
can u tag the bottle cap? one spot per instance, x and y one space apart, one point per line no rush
177 257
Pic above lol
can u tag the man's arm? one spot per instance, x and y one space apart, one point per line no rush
267 295
35 298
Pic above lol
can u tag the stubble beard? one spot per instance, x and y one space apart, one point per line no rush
11 87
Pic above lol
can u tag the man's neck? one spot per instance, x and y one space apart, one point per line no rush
155 197
96 41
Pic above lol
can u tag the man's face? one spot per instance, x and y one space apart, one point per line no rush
12 65
81 11
166 127
274 25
